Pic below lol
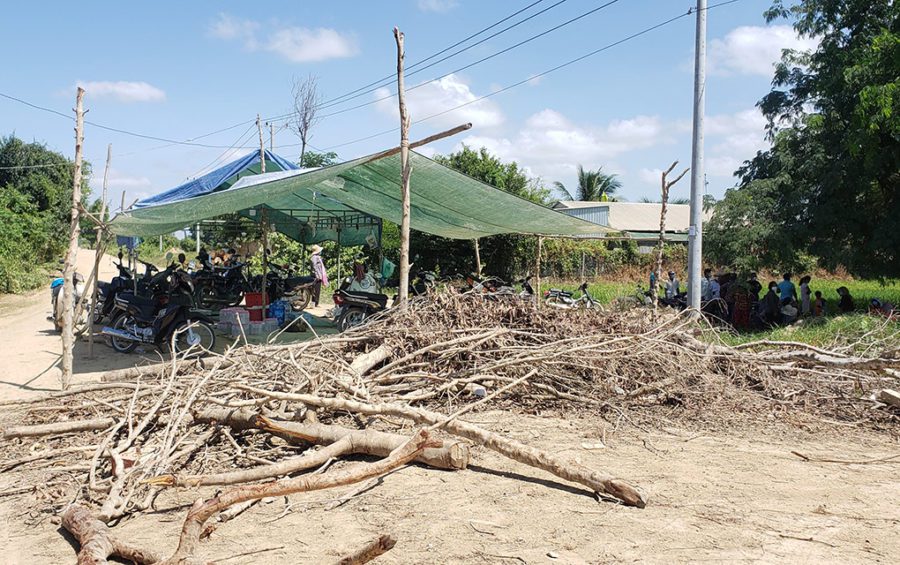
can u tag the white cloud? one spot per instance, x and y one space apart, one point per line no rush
123 91
296 44
551 146
734 138
650 176
437 5
437 96
753 50
302 45
119 180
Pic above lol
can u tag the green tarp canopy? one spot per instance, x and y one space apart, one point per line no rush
348 196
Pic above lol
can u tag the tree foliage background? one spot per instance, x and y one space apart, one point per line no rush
35 208
828 191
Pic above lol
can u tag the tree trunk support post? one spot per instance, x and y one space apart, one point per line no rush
666 185
262 147
537 290
404 172
68 312
477 259
101 233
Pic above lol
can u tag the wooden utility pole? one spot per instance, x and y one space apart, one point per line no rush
68 311
101 233
537 289
477 259
404 171
262 147
666 185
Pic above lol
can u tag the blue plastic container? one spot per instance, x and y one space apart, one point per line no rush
277 309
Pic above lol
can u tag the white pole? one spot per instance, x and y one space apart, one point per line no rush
197 233
695 234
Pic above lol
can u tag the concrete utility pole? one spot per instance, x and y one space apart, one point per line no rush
262 147
68 297
695 233
271 137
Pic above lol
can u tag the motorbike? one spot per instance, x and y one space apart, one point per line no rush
559 298
283 284
107 291
356 307
220 287
56 311
156 320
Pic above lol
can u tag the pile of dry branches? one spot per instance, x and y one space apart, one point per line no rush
247 420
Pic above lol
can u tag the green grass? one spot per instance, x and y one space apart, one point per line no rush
860 330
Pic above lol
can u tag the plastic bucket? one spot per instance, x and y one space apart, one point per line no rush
254 302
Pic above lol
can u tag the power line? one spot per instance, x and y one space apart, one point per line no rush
442 51
221 156
570 62
15 167
470 65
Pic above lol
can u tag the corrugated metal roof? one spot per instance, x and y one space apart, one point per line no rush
637 216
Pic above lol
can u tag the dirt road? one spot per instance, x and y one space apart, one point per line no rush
715 495
31 349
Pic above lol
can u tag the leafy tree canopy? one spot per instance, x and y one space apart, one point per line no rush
311 159
830 184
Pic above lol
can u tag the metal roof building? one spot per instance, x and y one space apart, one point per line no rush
637 220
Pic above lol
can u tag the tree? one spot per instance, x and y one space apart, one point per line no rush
35 208
314 160
592 185
306 108
829 186
680 200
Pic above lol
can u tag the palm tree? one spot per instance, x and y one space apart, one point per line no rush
592 185
679 200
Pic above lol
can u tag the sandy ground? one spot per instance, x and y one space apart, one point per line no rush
715 496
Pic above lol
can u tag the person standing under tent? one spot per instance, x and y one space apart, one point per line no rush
318 269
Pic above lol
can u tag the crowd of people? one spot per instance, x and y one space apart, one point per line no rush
741 301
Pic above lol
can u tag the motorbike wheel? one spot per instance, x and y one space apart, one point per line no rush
122 345
555 301
302 300
98 313
351 317
194 333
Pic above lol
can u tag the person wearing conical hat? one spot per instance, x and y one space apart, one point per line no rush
318 269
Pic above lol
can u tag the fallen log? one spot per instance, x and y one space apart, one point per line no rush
164 368
370 551
96 541
451 455
559 466
341 441
204 510
70 427
82 389
889 396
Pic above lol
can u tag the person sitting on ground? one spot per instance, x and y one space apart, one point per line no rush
787 289
673 287
770 307
754 286
715 289
819 305
805 296
846 304
886 309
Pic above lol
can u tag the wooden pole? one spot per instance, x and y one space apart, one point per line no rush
420 143
477 258
666 185
265 239
537 277
101 233
68 312
404 171
262 147
582 266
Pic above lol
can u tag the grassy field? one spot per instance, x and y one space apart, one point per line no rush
857 331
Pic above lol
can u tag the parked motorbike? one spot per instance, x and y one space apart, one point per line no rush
220 287
107 291
56 311
355 307
559 298
283 284
155 320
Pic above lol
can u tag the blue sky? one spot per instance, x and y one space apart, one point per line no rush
178 70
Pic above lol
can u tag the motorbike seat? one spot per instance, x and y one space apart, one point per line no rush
369 296
560 292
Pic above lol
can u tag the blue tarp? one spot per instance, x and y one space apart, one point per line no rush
219 179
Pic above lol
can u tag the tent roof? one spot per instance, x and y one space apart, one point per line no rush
444 202
218 179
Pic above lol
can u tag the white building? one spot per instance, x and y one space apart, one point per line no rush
636 220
